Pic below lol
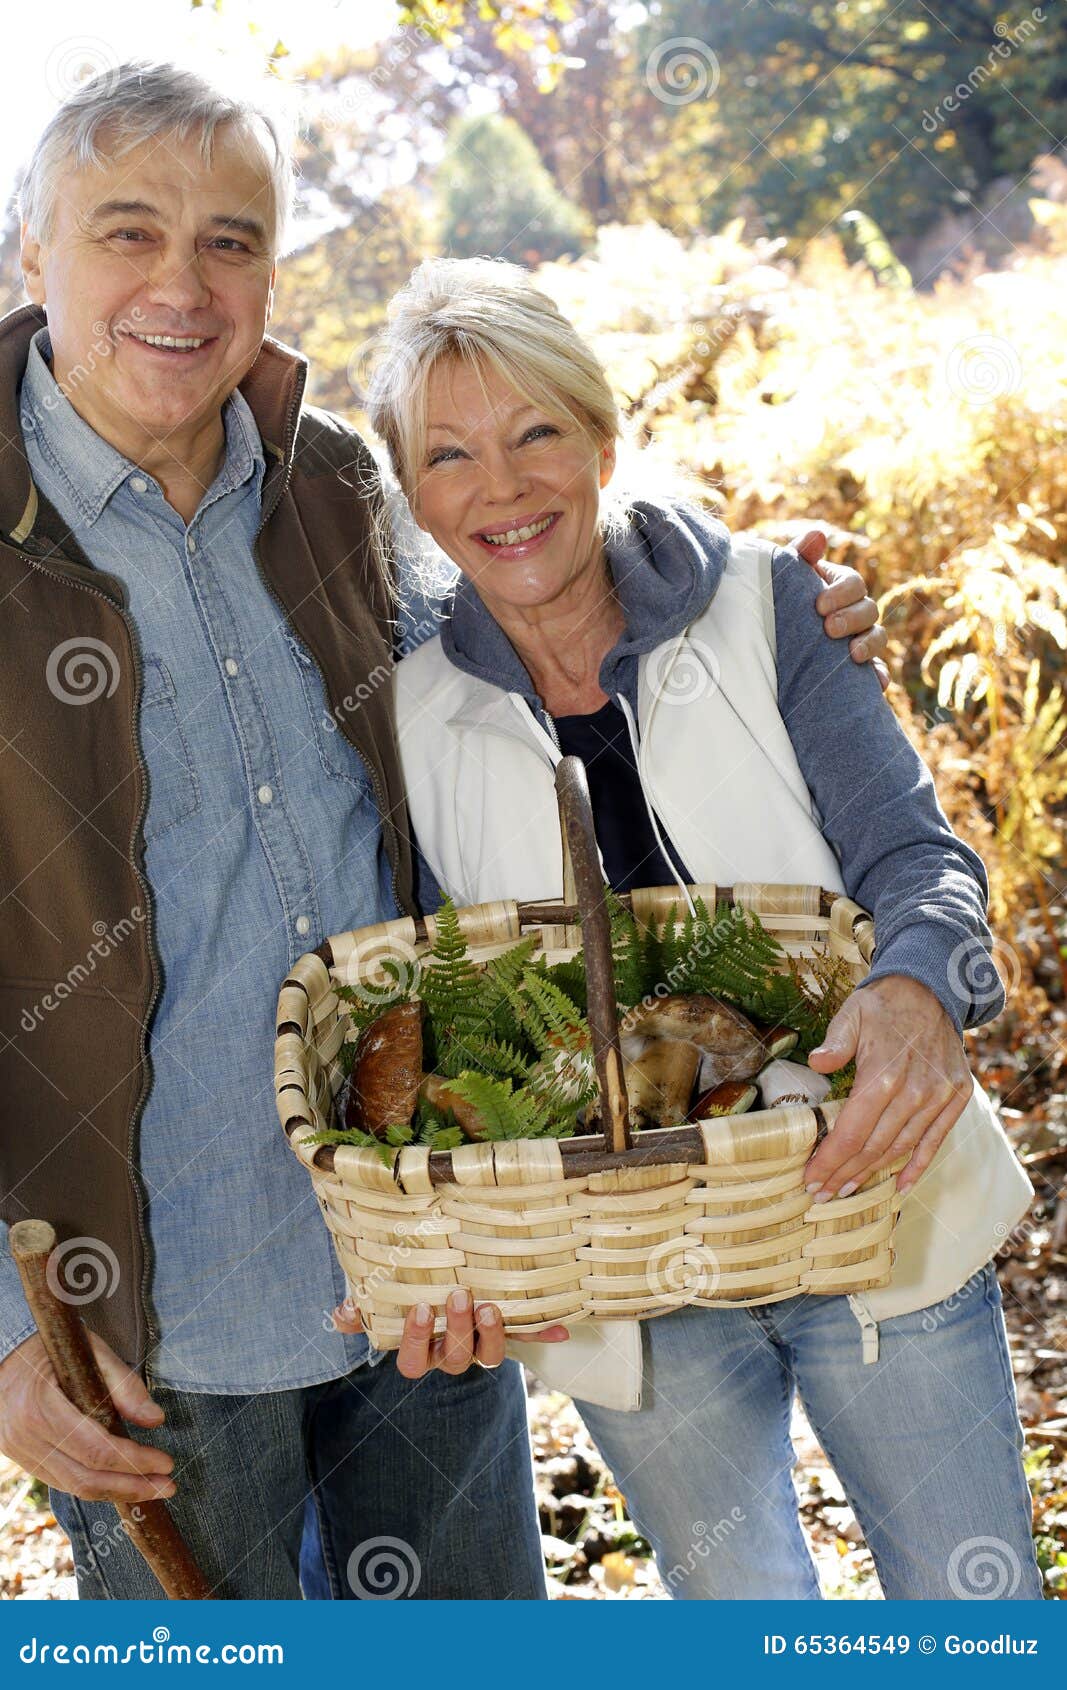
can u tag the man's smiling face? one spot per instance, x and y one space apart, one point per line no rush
150 245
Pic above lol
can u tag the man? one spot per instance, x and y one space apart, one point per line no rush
191 584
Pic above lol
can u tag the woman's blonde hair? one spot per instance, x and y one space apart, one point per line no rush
489 314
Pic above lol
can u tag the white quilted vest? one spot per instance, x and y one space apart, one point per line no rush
479 775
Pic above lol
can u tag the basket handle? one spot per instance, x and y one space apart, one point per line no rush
576 814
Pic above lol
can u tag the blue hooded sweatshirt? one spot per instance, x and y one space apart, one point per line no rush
899 857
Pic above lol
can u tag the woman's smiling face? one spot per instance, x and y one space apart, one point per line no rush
511 492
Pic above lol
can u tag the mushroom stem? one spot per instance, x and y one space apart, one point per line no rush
659 1082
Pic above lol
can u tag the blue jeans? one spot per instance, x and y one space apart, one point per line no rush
926 1442
420 1489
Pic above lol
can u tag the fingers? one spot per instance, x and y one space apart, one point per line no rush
811 547
346 1317
871 644
546 1335
883 674
71 1477
931 1142
840 1041
844 589
126 1388
490 1348
855 1125
413 1356
903 1122
457 1345
855 618
82 1440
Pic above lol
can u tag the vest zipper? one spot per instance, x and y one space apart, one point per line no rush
151 1330
868 1327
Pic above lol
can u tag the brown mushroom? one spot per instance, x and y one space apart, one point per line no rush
777 1041
387 1071
732 1097
659 1082
437 1091
730 1044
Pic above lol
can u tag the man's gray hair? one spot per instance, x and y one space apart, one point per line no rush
140 101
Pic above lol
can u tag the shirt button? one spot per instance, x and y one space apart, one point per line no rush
190 544
303 925
265 794
138 484
231 666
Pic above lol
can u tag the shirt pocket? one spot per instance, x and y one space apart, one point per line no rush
173 789
338 758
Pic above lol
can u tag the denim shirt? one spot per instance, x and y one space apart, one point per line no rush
262 836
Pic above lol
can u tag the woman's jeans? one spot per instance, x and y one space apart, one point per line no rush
421 1489
926 1442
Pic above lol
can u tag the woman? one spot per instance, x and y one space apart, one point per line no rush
725 739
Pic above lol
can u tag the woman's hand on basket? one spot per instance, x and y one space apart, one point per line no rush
912 1084
473 1333
845 606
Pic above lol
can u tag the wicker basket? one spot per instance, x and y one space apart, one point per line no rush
576 1229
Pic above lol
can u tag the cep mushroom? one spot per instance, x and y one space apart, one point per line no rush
732 1097
659 1081
792 1082
387 1071
727 1044
437 1091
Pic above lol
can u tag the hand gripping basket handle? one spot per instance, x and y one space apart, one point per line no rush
576 814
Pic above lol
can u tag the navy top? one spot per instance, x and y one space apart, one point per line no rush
628 845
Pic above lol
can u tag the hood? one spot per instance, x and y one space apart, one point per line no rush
666 565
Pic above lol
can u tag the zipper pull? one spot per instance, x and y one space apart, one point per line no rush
868 1327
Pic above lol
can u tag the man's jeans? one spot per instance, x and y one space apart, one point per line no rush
421 1489
926 1443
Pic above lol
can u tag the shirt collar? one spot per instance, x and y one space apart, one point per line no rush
91 468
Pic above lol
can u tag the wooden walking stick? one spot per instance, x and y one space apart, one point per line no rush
148 1524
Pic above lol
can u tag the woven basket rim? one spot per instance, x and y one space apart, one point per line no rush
585 1154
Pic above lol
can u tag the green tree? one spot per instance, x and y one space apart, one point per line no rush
496 197
814 108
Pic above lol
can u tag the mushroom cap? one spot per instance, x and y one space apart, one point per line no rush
387 1071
